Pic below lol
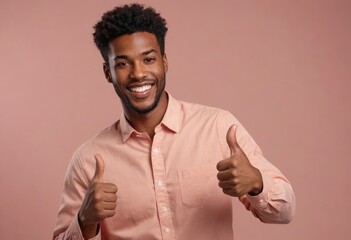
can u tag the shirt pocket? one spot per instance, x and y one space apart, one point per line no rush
197 183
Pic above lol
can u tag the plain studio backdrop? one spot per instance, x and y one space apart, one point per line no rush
281 67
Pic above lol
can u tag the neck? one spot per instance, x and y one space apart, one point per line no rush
147 122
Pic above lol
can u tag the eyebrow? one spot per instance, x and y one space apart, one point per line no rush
143 54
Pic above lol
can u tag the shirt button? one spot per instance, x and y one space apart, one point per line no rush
164 209
156 150
139 135
166 229
159 183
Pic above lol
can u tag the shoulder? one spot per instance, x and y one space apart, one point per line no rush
220 116
97 143
83 160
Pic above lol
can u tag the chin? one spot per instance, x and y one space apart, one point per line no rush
143 110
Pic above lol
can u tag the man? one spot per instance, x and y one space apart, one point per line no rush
166 169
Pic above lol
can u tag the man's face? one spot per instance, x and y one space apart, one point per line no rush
137 71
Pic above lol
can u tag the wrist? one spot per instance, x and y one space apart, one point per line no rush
258 185
88 230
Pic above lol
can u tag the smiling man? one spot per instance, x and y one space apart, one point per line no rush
166 169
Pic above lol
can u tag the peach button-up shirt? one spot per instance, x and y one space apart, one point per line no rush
168 187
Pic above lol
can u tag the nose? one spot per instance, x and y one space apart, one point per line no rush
138 71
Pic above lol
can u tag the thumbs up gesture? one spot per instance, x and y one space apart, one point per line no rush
236 175
99 202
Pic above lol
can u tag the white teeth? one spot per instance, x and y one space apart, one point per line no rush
141 89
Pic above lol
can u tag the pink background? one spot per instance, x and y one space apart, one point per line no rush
282 67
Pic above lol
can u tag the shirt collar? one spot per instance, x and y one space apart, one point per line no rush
171 120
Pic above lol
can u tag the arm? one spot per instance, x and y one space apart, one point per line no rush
276 202
246 174
75 186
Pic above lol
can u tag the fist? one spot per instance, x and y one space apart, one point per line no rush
236 175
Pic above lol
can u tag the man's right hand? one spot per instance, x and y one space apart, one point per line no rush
99 202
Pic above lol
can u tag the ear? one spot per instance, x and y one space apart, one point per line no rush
107 72
165 62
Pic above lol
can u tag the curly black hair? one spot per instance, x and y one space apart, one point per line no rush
129 19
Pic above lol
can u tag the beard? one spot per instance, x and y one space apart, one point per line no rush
127 103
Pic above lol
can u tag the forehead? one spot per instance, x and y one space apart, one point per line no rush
135 43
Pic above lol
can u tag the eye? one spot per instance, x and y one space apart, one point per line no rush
121 64
149 60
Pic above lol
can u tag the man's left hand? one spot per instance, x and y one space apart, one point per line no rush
236 175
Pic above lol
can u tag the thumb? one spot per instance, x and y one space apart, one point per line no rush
231 138
99 169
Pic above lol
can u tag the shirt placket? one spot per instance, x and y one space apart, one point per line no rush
162 200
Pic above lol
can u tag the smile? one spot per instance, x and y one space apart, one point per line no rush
140 89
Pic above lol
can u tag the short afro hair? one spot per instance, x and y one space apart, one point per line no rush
128 19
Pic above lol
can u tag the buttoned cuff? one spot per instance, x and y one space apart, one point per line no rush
269 192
